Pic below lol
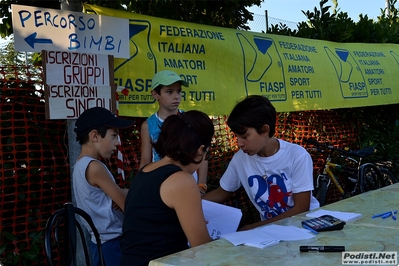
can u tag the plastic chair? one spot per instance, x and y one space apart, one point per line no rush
61 229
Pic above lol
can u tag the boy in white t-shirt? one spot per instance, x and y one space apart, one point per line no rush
277 175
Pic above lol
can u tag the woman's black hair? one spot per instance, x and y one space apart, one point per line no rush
254 111
182 135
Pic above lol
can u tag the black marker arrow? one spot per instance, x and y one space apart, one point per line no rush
31 40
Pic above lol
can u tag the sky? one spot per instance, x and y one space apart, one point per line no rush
291 10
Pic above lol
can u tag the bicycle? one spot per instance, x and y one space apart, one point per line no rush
372 181
360 177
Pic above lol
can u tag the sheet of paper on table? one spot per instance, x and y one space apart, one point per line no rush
343 216
222 219
269 235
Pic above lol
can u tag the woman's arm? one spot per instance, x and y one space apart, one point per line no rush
180 192
146 147
202 175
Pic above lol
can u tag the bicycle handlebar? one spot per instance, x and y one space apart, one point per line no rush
367 151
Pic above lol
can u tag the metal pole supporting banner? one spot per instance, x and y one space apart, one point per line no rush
73 145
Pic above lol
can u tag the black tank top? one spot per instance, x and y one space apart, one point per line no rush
150 228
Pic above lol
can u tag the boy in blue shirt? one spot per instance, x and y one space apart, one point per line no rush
166 89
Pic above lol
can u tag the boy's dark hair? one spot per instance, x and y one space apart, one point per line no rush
95 118
102 130
254 111
159 88
182 135
165 78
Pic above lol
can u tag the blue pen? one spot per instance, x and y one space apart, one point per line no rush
379 215
393 214
383 214
310 229
386 215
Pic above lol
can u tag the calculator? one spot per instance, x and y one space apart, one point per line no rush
324 223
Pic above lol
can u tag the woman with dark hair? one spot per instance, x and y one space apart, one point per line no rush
163 211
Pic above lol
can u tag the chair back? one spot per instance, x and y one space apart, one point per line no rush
61 230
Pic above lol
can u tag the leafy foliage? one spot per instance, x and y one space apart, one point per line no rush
5 12
222 13
378 127
10 56
380 124
24 256
331 24
226 13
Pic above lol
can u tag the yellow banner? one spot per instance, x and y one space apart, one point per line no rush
224 65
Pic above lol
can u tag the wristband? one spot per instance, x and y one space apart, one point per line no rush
203 186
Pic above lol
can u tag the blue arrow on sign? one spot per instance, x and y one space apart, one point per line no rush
31 40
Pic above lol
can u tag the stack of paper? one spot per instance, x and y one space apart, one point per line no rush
269 235
221 219
344 216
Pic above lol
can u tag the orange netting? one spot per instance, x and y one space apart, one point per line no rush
34 163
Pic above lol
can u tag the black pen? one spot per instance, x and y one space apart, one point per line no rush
322 248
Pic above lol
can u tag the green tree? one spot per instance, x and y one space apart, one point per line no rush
10 59
331 24
9 56
379 125
223 13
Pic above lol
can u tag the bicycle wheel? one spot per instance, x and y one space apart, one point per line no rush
370 178
387 177
320 192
